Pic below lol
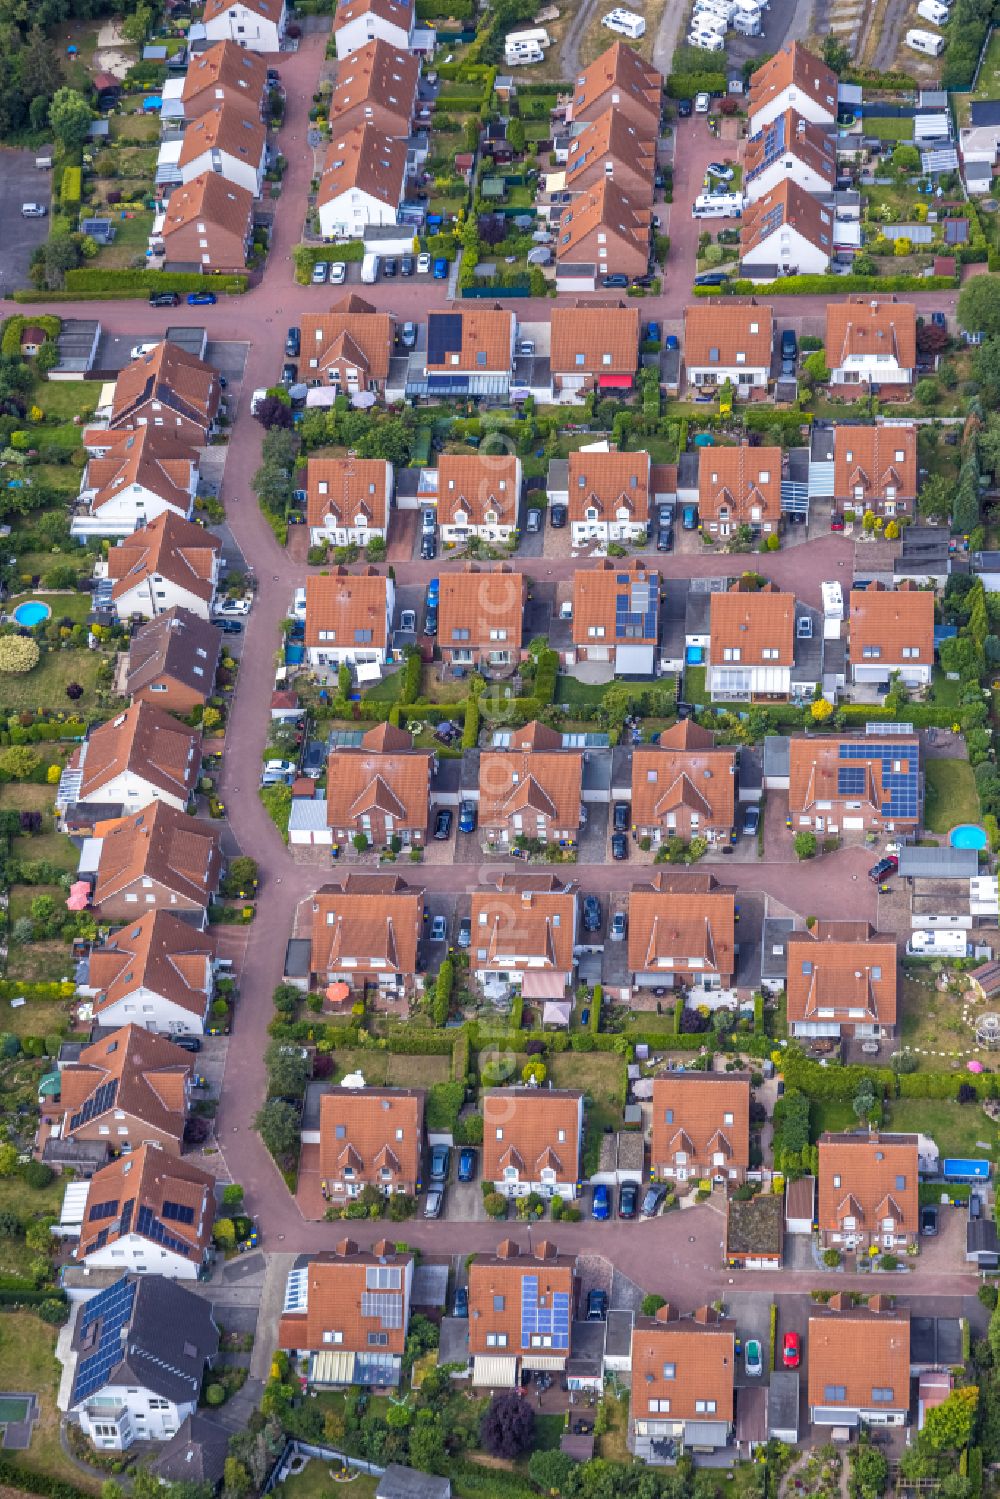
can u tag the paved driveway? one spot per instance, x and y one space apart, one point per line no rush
20 182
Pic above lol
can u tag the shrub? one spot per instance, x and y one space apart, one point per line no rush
38 1175
495 1205
215 1394
831 1257
18 654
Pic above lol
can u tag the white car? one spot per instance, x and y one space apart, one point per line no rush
140 350
423 264
230 608
338 273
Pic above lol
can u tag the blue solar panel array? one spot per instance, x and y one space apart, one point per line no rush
901 787
110 1310
177 1213
851 780
147 1223
547 1321
102 1210
102 1099
126 1222
635 610
444 336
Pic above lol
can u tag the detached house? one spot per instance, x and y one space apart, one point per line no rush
136 1361
363 181
376 85
521 1312
611 148
470 353
257 25
792 147
169 564
137 476
739 486
701 1126
207 223
528 796
224 74
159 858
593 348
863 785
682 934
608 496
149 1213
891 630
157 973
348 347
370 1137
842 982
620 79
605 228
872 342
845 1390
731 342
868 1191
380 790
347 500
172 661
481 618
143 755
346 1314
684 787
752 644
358 22
616 615
478 495
365 933
876 468
129 1089
230 141
792 79
523 935
786 232
347 618
171 389
682 1385
531 1141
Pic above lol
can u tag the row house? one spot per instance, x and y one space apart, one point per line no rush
379 790
171 389
130 1088
365 933
786 231
168 564
682 934
224 74
477 496
607 494
347 348
740 486
229 140
682 1385
532 1139
701 1127
792 79
135 477
845 1390
872 342
172 661
731 343
158 972
891 630
855 785
865 468
752 643
156 859
363 181
470 353
534 795
842 982
346 1314
370 1137
620 80
481 618
869 1196
616 612
593 348
610 148
207 223
524 935
376 85
148 1213
141 756
607 228
684 787
257 25
348 617
521 1311
348 500
793 148
359 22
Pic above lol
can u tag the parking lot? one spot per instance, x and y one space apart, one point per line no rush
21 182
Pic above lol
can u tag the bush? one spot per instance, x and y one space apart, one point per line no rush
38 1175
831 1257
215 1394
495 1205
18 654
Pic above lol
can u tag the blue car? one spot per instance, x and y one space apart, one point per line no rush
441 269
202 299
467 817
689 517
602 1205
467 1165
653 332
433 589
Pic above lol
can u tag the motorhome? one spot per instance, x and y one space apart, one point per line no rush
717 206
523 53
933 11
625 22
539 37
711 21
928 42
707 41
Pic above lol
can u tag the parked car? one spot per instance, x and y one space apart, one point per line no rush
428 520
338 273
752 1359
434 1202
620 817
289 374
689 517
665 539
440 1163
139 351
751 821
975 1206
467 1165
883 869
653 1201
408 335
597 1302
465 932
460 1306
33 210
628 1200
229 626
467 817
441 269
423 264
293 343
534 519
836 522
390 266
406 266
789 351
320 272
187 1043
439 929
557 516
616 282
163 299
442 824
602 1207
408 620
428 546
232 607
433 592
652 334
619 926
684 109
619 846
791 1350
711 278
929 1219
939 320
719 171
431 623
591 913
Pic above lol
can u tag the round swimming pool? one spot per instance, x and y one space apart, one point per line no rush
33 612
967 835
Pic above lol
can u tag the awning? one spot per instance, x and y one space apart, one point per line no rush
542 1361
706 1434
557 1012
614 382
332 1368
543 984
494 1373
368 671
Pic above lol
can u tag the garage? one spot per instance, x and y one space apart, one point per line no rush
307 826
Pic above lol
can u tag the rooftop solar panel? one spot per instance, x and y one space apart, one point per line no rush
177 1213
103 1318
444 335
149 1225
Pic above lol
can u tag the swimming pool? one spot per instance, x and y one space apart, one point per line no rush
967 835
33 612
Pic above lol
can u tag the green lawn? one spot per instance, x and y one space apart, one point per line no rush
382 1069
386 690
957 1129
61 476
27 1362
65 399
695 690
889 130
987 84
569 690
131 240
831 1114
951 795
945 693
45 686
314 1482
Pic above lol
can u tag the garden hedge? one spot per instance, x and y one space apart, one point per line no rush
15 1477
812 286
10 340
93 283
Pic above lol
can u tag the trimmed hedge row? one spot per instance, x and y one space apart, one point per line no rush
812 286
13 1476
843 1082
93 282
9 989
10 340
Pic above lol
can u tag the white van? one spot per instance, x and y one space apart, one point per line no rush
717 206
928 42
625 22
369 269
933 11
707 41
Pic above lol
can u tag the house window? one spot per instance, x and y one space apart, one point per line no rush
836 1181
498 1303
882 1396
659 1407
834 1392
670 1371
333 1337
705 1407
727 1118
496 1340
871 652
378 1340
668 1116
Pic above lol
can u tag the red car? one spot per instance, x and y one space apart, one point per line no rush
836 522
791 1350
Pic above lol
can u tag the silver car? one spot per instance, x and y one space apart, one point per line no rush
434 1202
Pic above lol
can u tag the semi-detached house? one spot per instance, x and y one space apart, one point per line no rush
605 228
481 618
361 21
786 232
845 1390
842 982
891 630
229 141
148 1213
469 353
524 935
701 1127
363 181
790 146
731 342
610 148
607 494
622 80
376 85
257 25
347 500
223 74
369 1137
158 972
682 1385
347 618
143 755
172 661
876 468
872 341
365 932
751 644
868 1191
130 1088
532 1139
530 796
521 1312
346 1314
684 786
169 563
593 348
860 784
740 486
682 934
348 348
158 858
616 615
206 225
132 477
792 79
478 495
169 388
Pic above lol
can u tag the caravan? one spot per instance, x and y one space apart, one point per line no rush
625 22
526 46
706 41
718 206
710 20
928 42
933 11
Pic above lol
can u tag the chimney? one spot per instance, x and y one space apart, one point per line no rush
666 1313
346 1247
384 1248
507 1250
545 1250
